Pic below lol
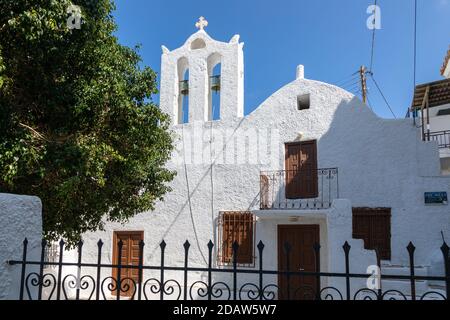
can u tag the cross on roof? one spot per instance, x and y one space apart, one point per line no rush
201 23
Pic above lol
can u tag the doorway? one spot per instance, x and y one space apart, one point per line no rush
299 256
129 256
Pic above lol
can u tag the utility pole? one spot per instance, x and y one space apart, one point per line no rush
362 74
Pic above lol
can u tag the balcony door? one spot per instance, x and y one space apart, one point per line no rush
301 170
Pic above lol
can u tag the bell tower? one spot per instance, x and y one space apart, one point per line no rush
190 79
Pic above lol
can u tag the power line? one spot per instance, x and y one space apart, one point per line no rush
346 82
189 192
350 83
415 54
355 88
415 42
348 77
373 36
382 94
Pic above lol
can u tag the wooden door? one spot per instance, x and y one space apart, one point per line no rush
302 257
301 170
129 256
373 225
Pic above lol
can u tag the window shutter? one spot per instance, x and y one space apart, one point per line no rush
236 226
264 187
373 225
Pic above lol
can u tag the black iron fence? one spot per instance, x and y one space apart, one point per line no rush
298 189
442 138
242 284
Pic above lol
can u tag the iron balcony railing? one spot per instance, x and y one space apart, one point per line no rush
298 189
442 137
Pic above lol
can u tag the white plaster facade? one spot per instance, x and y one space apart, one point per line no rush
20 218
381 162
440 123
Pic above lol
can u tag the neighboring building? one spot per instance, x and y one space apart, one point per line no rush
311 164
432 104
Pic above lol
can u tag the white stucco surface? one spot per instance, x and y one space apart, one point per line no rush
20 218
381 162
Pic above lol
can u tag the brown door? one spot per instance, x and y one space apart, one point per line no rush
130 256
373 225
301 170
302 257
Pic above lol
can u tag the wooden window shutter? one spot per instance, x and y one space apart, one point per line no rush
236 226
373 225
264 191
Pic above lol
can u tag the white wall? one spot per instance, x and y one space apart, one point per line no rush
382 163
20 218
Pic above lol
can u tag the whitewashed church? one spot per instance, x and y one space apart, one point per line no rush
311 165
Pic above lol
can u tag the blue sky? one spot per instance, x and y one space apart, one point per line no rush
329 37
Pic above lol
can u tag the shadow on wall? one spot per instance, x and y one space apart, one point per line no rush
192 190
363 148
356 143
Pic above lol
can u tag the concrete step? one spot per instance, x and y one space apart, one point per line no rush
404 286
402 270
434 292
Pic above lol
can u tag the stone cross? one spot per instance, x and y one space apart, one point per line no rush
201 23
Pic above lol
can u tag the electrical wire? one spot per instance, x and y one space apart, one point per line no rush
382 94
349 80
415 42
415 56
373 37
351 85
212 164
346 81
189 192
353 89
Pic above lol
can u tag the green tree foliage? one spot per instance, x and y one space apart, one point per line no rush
77 124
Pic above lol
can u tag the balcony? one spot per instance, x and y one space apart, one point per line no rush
300 189
442 137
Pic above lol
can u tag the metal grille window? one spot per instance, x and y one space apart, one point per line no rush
240 227
51 254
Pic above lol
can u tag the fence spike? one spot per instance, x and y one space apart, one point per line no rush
260 245
163 245
346 247
411 248
100 243
210 245
186 245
